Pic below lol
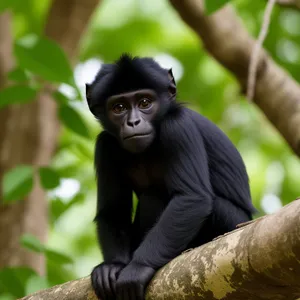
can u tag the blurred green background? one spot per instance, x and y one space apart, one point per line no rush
150 28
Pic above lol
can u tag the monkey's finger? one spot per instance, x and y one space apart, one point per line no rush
126 294
132 293
97 285
123 294
105 288
106 282
113 280
139 292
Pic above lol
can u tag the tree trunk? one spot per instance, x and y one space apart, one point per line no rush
226 39
29 134
260 260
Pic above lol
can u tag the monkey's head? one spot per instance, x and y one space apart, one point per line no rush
129 98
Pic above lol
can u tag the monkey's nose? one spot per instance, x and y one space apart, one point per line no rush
133 123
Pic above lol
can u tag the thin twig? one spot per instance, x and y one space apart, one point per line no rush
258 45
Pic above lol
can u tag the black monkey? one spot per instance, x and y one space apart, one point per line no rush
189 178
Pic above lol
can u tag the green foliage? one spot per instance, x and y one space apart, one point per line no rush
17 282
8 4
30 52
72 120
213 5
36 283
17 183
32 243
13 281
6 296
49 178
58 207
57 257
60 98
17 94
18 74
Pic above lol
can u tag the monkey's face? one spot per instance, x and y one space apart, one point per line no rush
132 115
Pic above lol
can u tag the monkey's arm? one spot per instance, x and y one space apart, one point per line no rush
188 183
114 203
113 218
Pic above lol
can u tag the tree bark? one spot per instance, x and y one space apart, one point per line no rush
226 39
260 260
29 134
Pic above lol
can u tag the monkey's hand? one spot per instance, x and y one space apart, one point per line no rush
133 280
104 279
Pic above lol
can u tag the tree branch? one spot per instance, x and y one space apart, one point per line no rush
225 38
260 260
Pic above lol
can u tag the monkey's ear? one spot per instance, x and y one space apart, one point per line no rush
88 93
171 76
172 85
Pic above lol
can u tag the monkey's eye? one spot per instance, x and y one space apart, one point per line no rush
145 103
119 108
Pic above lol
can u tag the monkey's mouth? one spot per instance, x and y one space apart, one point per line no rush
136 135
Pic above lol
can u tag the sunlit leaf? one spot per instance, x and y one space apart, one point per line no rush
68 170
6 297
73 120
44 57
85 149
58 257
32 243
59 207
58 274
60 97
17 183
16 95
213 5
36 283
49 178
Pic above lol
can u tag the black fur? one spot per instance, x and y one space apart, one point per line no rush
128 74
191 183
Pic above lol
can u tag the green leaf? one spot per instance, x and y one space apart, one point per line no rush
49 178
17 183
36 283
16 95
59 207
6 297
7 4
60 97
44 57
213 5
58 257
13 280
18 75
32 243
73 120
